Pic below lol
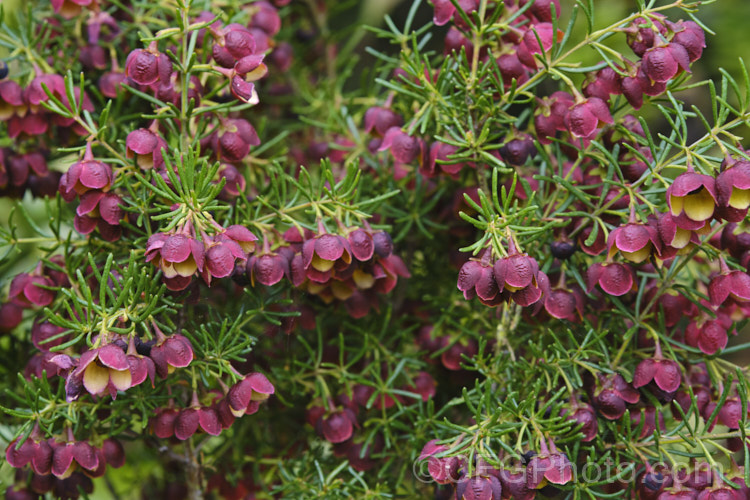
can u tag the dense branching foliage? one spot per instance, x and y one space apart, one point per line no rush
245 257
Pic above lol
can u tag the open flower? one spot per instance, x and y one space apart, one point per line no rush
583 119
610 393
171 352
634 241
663 62
145 146
443 470
178 254
245 396
85 175
692 199
104 369
518 276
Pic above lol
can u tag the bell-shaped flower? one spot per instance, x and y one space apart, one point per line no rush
85 175
583 414
549 466
67 457
148 66
171 352
634 241
477 278
175 254
104 369
584 118
665 373
380 120
614 278
480 486
610 393
663 62
733 186
445 10
29 290
692 199
518 276
189 420
403 147
529 45
734 284
708 335
145 146
443 470
691 36
245 396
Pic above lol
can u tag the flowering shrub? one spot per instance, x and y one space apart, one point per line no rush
493 270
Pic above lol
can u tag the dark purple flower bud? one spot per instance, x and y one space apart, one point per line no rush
583 414
265 17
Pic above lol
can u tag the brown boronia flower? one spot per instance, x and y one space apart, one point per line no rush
103 370
264 17
661 63
482 485
232 43
178 256
614 278
245 396
335 424
477 279
404 148
549 466
634 241
196 417
734 284
232 140
444 470
733 190
445 10
148 66
35 451
665 373
529 45
171 352
692 199
691 36
438 161
85 175
224 249
145 145
102 210
603 84
643 33
518 277
675 239
11 100
30 290
71 8
610 393
586 116
379 120
583 414
269 267
707 333
324 254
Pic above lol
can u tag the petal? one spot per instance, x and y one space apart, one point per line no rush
644 373
122 380
209 421
668 376
95 378
186 424
112 356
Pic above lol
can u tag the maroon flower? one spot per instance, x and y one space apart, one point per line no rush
664 62
265 17
676 238
583 119
324 253
583 414
170 353
477 278
335 425
693 197
733 284
482 485
614 278
708 335
550 115
268 268
443 470
178 254
189 420
642 35
518 275
28 290
11 99
104 369
610 394
605 83
148 66
68 456
445 10
634 241
564 303
85 175
233 42
404 148
550 465
733 187
664 372
145 145
381 119
691 36
244 396
232 141
529 46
